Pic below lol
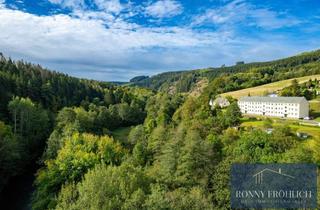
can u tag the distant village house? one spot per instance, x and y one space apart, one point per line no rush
220 101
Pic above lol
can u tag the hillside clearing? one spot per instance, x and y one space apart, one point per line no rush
199 87
271 87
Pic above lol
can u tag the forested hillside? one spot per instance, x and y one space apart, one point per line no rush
30 98
179 158
177 154
255 74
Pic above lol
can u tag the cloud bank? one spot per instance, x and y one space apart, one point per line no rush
101 41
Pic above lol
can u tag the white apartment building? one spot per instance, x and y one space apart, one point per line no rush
290 107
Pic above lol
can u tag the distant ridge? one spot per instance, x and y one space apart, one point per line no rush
184 81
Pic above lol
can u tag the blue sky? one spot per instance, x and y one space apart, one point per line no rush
115 40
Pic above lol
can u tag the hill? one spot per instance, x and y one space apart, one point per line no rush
34 101
51 89
157 146
185 81
271 87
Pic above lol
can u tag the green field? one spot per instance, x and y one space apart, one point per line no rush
270 88
313 131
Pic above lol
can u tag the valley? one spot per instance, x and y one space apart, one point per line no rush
161 144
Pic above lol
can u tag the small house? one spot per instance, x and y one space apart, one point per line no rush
220 101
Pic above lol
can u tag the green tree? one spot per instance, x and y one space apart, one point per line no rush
178 199
10 154
221 185
80 153
232 115
31 125
196 160
108 187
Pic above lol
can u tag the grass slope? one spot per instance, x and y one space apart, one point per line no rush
271 87
313 131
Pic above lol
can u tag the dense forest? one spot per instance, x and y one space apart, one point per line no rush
238 76
31 97
177 154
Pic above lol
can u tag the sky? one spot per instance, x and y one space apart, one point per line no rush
115 40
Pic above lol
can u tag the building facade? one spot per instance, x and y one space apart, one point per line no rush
290 107
220 101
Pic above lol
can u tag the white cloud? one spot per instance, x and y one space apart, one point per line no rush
272 20
52 30
113 6
87 15
224 14
164 9
105 46
56 1
62 40
73 4
240 11
108 6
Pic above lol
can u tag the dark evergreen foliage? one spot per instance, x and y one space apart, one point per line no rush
238 76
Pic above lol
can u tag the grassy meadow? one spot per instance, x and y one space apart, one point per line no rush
270 88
